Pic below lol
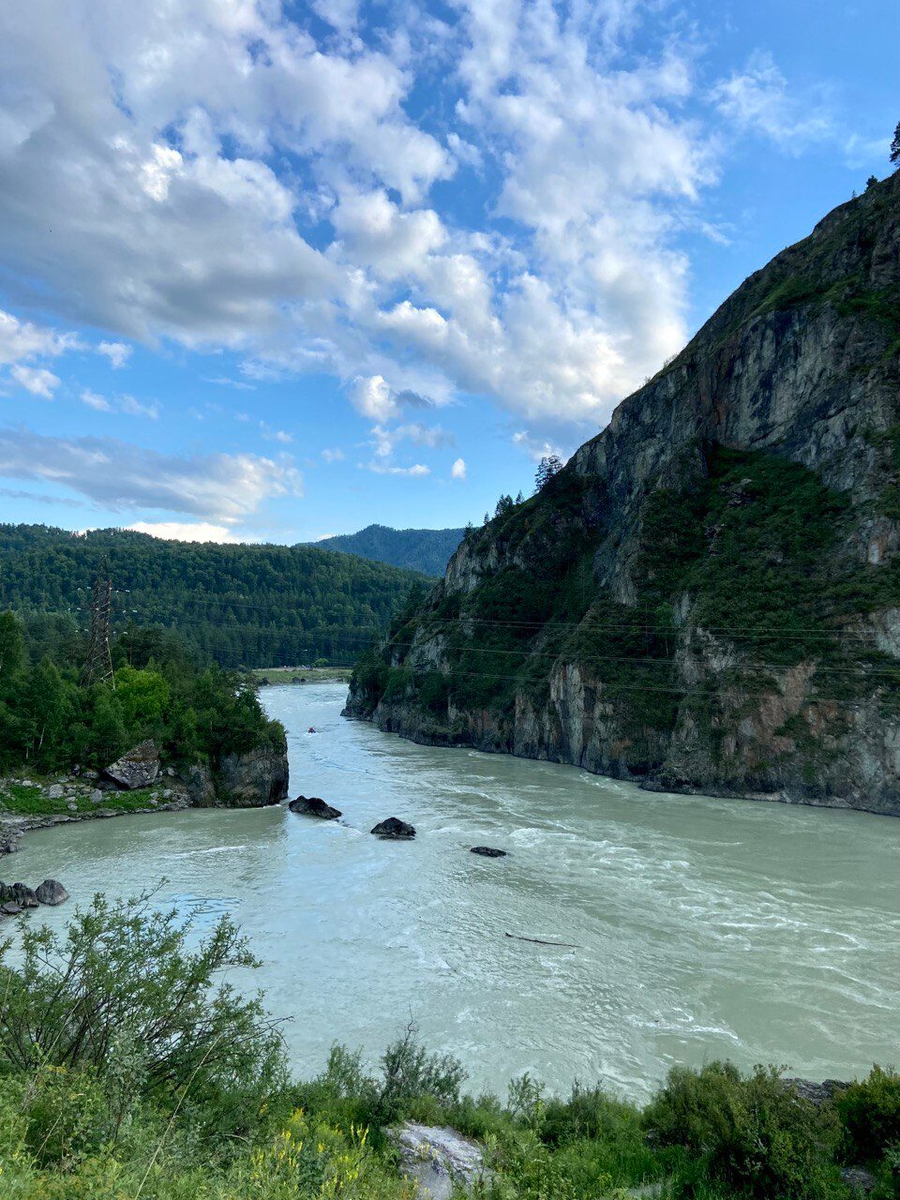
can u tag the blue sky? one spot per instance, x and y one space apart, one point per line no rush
276 271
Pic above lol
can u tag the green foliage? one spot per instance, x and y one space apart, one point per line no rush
425 550
870 1113
235 605
129 1070
754 1135
49 721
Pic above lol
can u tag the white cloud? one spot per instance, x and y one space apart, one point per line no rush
414 472
121 404
118 353
757 100
537 448
95 401
374 399
333 455
458 470
37 380
154 143
238 384
221 488
187 531
22 341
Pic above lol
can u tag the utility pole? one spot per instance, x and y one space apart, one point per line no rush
98 665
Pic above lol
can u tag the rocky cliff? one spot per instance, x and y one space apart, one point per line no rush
707 597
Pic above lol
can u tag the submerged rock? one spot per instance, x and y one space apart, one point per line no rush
51 891
394 829
312 806
438 1159
136 769
488 851
10 909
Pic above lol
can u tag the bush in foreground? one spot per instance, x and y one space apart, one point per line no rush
129 1070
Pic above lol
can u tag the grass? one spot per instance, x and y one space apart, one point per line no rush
309 674
19 800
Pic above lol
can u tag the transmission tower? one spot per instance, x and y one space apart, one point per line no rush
98 665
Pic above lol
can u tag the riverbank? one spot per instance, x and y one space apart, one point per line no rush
28 804
76 1118
273 676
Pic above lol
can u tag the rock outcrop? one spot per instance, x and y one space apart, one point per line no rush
256 778
439 1160
138 768
707 597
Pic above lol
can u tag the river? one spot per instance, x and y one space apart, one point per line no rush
699 928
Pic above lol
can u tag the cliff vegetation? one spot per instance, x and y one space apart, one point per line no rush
707 596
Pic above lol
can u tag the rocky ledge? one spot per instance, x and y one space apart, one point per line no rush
138 782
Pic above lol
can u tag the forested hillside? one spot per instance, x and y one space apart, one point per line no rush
425 550
242 605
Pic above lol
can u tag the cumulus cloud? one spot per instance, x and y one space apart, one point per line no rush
37 380
21 340
218 176
758 99
333 455
458 470
118 353
222 488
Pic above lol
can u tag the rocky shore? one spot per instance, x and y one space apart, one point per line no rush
139 782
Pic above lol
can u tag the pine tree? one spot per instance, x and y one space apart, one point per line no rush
895 146
549 466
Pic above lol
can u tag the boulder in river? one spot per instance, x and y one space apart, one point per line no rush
51 891
488 852
312 806
10 909
23 895
394 829
136 769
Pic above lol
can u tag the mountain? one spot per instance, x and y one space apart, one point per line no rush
243 605
425 550
707 598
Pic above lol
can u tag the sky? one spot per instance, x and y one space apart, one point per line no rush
275 271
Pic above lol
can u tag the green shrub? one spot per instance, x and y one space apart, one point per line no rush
121 997
753 1135
870 1114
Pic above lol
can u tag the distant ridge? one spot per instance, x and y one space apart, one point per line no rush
242 605
425 550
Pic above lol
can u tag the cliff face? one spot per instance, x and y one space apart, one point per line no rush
707 597
253 778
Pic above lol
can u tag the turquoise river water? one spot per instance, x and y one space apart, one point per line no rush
698 928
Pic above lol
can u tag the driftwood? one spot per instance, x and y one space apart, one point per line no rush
541 942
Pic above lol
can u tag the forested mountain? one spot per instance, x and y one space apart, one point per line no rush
243 605
425 550
707 596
